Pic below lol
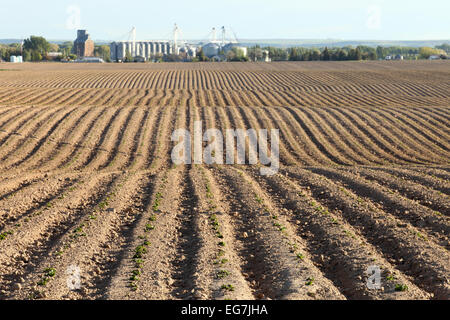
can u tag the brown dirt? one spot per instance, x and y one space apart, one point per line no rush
86 180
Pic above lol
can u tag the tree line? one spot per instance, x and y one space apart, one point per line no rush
37 49
32 49
347 53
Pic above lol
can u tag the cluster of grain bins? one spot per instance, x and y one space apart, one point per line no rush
143 49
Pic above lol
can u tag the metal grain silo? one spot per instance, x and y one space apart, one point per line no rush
211 49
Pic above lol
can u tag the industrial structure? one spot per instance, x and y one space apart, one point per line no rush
90 60
139 50
218 48
181 46
142 51
83 46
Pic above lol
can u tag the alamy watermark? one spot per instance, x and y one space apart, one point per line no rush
73 279
373 21
189 149
374 280
73 21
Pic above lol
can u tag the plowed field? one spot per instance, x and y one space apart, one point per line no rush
87 182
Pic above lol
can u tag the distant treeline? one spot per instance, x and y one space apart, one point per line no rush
347 53
39 49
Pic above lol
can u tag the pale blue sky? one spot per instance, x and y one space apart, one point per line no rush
262 19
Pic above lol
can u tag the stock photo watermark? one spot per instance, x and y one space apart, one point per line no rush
374 17
73 21
256 140
374 280
73 279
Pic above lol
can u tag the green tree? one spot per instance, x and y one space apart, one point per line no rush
445 47
307 56
4 54
173 58
294 54
255 53
352 54
326 54
54 47
426 52
26 55
315 55
278 54
37 48
201 56
341 55
373 55
236 54
355 54
358 55
128 56
380 52
66 49
36 56
103 52
38 44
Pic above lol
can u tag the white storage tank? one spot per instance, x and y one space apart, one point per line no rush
211 49
16 59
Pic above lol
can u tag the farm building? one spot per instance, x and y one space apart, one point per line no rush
83 45
54 54
434 57
142 49
90 60
394 57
